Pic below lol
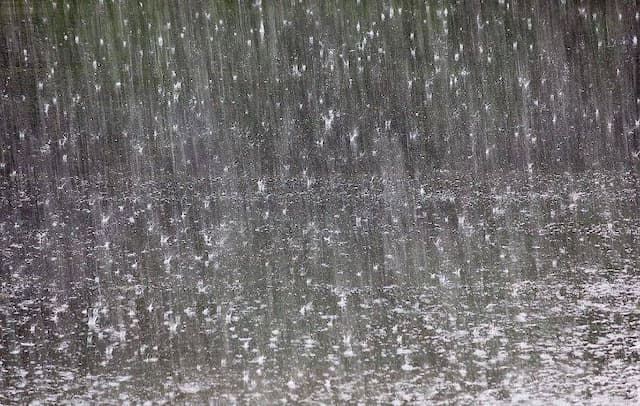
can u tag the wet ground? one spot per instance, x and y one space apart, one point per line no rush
454 289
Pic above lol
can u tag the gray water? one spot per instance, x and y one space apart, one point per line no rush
319 202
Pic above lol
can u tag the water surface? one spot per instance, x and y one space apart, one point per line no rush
329 202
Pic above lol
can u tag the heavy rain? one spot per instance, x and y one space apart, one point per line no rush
319 202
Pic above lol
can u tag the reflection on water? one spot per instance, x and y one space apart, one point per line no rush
337 290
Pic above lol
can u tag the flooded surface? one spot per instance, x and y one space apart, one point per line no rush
319 202
450 289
